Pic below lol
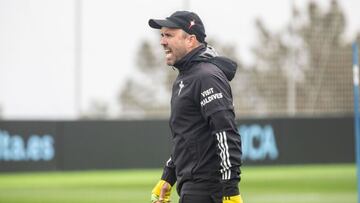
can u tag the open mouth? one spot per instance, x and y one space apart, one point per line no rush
167 51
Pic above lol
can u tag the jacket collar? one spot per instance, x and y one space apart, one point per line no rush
186 62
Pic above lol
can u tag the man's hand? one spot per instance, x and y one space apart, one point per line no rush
233 199
161 192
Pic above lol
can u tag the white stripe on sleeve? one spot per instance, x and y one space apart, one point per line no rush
224 155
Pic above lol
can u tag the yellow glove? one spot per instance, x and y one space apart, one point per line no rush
161 192
233 199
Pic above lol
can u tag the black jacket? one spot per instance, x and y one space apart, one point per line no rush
206 150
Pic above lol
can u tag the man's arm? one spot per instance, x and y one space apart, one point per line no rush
216 102
223 126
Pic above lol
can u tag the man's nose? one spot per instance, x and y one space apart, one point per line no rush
163 41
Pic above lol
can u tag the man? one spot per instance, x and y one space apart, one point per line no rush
206 155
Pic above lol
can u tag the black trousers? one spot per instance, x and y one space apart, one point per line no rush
193 198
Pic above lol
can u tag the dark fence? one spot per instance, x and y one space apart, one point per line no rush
79 145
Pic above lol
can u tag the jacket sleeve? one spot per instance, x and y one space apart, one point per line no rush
229 149
216 105
169 172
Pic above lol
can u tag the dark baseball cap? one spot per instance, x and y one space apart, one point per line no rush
190 22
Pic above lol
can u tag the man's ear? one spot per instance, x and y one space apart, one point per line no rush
193 41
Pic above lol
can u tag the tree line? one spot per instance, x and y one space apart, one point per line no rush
302 69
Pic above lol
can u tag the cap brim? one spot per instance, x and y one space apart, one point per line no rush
158 24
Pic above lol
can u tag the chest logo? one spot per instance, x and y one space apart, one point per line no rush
181 85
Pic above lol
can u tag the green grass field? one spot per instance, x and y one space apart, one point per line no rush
272 184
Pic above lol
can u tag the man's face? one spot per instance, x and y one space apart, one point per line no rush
175 44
